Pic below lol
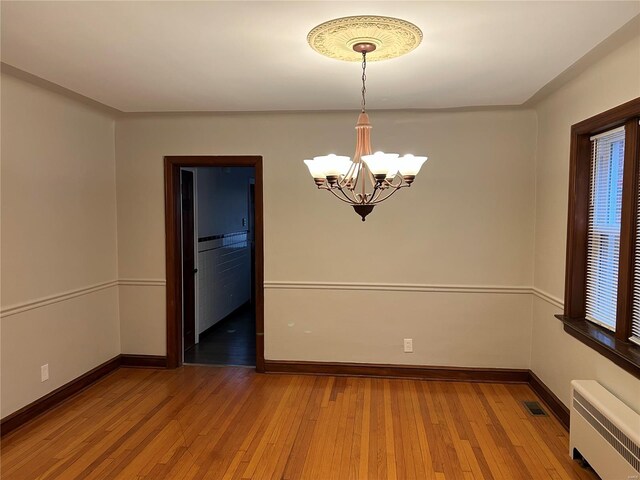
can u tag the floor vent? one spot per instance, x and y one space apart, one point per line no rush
535 409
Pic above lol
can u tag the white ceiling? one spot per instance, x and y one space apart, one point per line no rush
250 56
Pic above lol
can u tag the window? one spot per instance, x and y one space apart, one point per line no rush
603 242
602 287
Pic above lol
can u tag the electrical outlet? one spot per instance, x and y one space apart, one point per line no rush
408 345
44 373
244 222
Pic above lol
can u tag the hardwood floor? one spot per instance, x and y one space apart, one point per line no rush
231 423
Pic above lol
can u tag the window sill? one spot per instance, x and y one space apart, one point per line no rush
624 354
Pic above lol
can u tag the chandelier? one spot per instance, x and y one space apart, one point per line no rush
370 178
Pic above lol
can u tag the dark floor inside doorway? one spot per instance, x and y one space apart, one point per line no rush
231 341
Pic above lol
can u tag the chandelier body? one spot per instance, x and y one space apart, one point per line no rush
370 178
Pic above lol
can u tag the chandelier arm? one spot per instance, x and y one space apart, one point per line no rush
377 191
348 194
348 200
372 179
380 200
393 185
380 197
375 195
342 183
349 178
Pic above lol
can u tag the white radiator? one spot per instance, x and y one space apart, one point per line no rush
605 431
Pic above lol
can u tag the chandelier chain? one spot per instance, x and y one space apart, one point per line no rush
364 79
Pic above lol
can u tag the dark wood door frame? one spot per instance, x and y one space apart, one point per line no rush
188 259
172 166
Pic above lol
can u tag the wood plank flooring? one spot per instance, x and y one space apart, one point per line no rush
231 423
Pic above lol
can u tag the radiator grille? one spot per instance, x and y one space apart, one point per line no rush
629 450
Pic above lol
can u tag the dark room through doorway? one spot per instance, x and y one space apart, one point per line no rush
218 265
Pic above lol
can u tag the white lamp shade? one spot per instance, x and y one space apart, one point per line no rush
381 163
332 165
410 165
314 169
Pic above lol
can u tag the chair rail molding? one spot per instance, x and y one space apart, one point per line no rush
144 282
397 287
56 298
77 292
291 285
547 297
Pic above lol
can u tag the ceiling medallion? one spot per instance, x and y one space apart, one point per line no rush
370 178
392 37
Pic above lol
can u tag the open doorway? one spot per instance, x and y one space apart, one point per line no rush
214 261
217 269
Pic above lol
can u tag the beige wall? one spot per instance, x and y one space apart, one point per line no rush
468 220
556 357
59 255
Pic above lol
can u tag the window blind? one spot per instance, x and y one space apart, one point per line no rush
605 209
635 317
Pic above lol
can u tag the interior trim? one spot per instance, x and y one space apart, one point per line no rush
173 265
143 361
459 374
143 282
623 353
547 297
397 287
52 399
57 298
555 405
78 292
288 285
276 284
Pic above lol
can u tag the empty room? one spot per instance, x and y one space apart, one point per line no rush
320 240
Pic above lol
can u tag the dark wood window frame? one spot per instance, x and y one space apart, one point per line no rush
172 166
615 346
